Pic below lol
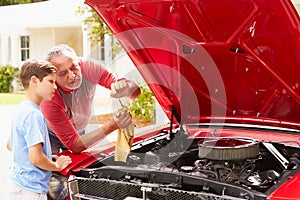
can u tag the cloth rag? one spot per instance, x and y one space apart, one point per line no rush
124 143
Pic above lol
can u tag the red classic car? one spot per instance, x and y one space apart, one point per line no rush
227 75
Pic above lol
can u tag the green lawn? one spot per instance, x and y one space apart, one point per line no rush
11 98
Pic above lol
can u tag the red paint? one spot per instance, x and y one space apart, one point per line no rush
229 61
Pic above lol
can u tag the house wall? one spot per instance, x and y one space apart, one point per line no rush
46 23
296 4
71 36
10 47
42 40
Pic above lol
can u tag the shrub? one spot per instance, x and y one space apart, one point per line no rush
7 74
144 107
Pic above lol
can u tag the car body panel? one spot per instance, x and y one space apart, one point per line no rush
79 161
212 61
222 70
289 190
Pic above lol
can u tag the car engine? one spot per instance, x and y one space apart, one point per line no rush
174 166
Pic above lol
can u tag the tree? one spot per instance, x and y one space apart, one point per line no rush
96 28
14 2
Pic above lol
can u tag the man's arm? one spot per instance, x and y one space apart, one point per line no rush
96 73
120 120
58 121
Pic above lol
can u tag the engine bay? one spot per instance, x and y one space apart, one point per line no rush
207 168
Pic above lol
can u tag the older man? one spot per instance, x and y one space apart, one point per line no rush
69 110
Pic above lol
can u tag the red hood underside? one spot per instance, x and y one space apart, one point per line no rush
214 60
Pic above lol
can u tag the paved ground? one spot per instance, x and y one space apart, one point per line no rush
6 113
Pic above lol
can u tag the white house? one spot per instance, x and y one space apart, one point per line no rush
296 4
30 30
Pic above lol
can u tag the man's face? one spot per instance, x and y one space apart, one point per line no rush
68 72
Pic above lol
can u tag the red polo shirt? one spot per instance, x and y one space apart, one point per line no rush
68 118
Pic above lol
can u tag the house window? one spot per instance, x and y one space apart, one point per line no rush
102 50
99 52
24 47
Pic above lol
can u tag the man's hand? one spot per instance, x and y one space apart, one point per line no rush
124 88
122 118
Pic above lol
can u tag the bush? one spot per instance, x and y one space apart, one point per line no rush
144 107
7 74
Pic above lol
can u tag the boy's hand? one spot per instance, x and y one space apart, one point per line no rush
62 162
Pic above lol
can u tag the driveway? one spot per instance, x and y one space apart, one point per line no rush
6 113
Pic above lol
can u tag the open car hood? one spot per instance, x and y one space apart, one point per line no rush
235 61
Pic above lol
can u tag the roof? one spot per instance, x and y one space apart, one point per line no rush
52 13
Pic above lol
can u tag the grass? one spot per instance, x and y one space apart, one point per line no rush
11 98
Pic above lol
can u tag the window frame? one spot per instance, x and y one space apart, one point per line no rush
24 47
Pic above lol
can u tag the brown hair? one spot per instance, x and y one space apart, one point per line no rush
33 67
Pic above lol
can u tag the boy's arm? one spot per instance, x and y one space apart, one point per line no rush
40 160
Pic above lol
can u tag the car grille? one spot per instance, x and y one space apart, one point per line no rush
105 189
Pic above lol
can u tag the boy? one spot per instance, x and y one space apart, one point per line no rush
29 139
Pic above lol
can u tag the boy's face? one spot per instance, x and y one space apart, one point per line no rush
47 86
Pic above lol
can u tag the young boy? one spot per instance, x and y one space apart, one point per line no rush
29 139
